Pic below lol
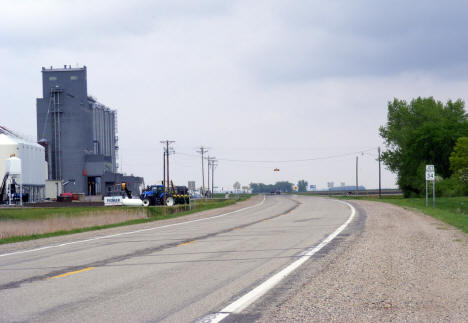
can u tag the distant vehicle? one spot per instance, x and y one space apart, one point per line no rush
154 195
195 195
278 192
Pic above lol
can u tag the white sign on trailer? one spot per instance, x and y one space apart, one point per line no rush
430 173
112 200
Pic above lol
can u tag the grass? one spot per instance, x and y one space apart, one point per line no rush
153 214
451 210
44 213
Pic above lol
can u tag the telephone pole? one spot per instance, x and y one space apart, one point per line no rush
213 166
380 177
164 167
167 179
202 151
211 161
357 176
208 184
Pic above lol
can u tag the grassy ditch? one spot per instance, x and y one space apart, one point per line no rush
24 224
451 210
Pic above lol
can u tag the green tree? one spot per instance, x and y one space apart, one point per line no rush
459 160
419 133
302 185
284 186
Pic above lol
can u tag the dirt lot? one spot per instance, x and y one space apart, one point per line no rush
403 267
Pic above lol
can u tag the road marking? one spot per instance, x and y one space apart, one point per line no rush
71 273
132 232
247 299
185 243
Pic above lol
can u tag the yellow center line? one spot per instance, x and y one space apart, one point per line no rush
236 229
72 273
185 243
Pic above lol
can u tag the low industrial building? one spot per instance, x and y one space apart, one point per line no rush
33 164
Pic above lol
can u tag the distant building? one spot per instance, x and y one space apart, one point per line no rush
79 134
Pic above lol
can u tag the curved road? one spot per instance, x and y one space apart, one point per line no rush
176 273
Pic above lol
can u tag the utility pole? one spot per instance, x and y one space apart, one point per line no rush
211 163
357 176
380 176
202 151
164 167
167 180
213 166
208 184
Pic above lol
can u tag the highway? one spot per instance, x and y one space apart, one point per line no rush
180 272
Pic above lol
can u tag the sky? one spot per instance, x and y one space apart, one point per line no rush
302 86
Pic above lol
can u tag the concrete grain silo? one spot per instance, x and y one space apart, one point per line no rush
78 132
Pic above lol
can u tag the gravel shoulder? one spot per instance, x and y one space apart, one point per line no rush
30 244
403 266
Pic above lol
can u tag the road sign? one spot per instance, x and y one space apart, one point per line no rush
191 185
430 176
430 173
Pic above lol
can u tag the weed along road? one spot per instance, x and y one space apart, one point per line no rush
205 267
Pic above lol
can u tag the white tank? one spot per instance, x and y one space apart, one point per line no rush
132 202
13 166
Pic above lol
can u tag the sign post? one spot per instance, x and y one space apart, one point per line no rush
430 176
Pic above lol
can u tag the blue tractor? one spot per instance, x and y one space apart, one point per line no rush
154 195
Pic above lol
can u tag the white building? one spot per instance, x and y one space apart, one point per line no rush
33 164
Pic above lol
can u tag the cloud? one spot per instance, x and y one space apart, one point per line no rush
31 24
366 38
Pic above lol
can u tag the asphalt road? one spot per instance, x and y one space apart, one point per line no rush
175 273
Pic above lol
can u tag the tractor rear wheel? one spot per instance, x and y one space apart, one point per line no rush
170 201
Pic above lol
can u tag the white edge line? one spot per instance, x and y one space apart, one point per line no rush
247 299
132 232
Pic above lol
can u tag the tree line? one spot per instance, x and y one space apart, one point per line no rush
283 187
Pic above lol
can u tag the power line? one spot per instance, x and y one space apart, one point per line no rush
290 160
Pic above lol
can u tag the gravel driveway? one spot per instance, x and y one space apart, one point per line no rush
403 267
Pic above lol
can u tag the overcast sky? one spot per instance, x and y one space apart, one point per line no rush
255 81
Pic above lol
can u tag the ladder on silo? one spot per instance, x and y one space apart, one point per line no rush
115 149
54 103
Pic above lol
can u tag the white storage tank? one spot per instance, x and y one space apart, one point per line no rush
29 162
13 166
